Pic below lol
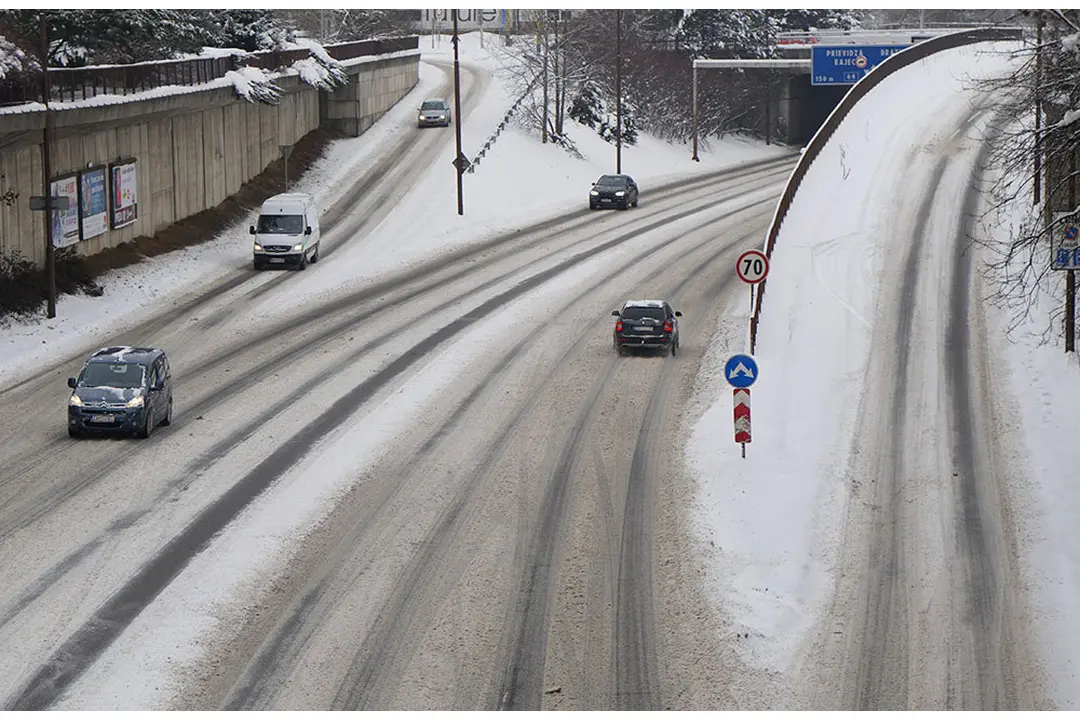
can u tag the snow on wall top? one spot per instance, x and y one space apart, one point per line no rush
171 90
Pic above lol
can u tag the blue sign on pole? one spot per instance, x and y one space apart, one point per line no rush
740 371
846 64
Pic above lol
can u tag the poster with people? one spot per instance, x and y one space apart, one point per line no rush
93 202
124 195
64 224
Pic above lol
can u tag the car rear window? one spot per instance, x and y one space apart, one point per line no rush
637 313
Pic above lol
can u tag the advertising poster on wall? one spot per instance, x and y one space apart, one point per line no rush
64 224
123 195
93 202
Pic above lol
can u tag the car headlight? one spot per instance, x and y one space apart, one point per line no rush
75 401
593 192
619 193
135 402
258 246
298 247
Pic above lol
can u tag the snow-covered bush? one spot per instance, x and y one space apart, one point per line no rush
254 85
14 62
320 70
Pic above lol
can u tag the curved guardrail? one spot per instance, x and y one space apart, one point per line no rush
891 64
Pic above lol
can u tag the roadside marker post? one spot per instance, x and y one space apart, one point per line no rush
752 267
741 400
741 371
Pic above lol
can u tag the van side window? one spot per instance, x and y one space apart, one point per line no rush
165 367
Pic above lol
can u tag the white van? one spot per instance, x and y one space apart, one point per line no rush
287 232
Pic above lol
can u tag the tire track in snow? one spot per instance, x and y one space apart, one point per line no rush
383 653
83 647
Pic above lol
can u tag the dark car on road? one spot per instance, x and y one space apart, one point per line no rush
125 390
648 324
434 112
613 191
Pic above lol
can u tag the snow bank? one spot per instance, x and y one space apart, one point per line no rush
775 517
1042 386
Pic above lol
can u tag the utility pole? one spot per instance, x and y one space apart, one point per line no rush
459 162
1070 277
541 35
1038 105
46 167
695 121
618 92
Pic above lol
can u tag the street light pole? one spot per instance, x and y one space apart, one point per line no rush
695 121
618 92
46 169
1038 106
457 119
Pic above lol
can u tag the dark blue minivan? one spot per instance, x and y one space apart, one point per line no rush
124 390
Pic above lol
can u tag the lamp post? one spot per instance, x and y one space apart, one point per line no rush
460 162
46 168
618 92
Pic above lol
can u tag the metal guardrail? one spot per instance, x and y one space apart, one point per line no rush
891 64
86 82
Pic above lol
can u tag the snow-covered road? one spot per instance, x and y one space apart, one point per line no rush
433 475
464 410
417 477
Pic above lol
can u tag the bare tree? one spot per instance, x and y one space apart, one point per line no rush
1035 160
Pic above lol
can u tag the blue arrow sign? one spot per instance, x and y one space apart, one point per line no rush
740 371
1072 232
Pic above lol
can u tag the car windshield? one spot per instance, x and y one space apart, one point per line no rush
281 224
637 313
117 375
432 105
614 180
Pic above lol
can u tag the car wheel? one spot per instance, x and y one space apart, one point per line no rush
635 202
624 205
73 433
674 347
302 265
148 422
592 206
167 420
315 255
257 265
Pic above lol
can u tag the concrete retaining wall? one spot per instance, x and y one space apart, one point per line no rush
193 149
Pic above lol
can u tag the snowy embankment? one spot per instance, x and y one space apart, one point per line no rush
775 517
1041 385
498 196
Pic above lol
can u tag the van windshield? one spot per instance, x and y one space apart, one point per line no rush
281 224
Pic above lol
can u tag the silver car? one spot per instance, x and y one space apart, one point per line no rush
434 112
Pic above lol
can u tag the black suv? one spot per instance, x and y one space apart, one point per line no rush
121 389
646 324
613 191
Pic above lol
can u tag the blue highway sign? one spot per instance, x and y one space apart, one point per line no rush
846 64
740 371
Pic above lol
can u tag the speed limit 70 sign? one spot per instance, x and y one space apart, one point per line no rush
752 266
